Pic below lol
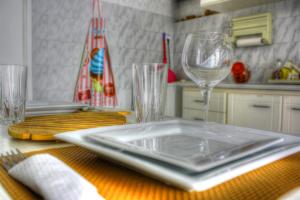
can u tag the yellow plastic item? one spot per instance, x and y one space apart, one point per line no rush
115 182
254 25
45 127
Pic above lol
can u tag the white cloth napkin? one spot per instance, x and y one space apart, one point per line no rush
53 179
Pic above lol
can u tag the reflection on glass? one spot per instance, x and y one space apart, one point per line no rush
206 59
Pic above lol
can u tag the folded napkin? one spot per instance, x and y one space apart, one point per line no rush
53 179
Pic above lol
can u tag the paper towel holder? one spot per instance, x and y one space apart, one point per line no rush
252 26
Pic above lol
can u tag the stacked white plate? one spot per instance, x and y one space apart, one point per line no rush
190 155
42 108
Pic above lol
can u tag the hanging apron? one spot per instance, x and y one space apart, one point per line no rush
95 85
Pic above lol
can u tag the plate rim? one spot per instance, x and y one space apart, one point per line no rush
107 140
173 177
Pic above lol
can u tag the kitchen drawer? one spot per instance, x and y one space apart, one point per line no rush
255 111
192 99
190 114
257 98
291 114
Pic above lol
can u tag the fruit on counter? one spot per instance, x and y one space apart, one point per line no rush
284 73
238 67
289 71
240 73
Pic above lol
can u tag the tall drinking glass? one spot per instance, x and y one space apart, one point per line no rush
206 59
12 93
149 91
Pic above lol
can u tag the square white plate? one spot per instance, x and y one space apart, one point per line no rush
178 176
46 108
196 147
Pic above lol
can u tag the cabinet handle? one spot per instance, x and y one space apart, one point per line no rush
198 119
296 109
198 101
261 106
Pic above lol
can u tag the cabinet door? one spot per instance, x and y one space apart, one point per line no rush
173 101
255 111
192 99
291 114
190 114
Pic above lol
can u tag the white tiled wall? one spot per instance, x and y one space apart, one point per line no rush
134 29
59 26
286 36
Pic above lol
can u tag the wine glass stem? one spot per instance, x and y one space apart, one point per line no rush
206 93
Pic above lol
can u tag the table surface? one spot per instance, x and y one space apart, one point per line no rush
7 143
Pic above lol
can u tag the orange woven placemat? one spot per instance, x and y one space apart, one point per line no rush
115 182
45 127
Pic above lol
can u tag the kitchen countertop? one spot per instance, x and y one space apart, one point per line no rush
249 86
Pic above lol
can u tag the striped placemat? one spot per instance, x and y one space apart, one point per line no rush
45 127
115 182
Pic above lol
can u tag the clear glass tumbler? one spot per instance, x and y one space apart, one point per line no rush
13 80
149 91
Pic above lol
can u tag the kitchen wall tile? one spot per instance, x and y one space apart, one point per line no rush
287 51
125 100
284 29
39 52
286 36
39 73
287 8
298 29
134 33
40 26
253 10
40 6
62 77
68 54
179 41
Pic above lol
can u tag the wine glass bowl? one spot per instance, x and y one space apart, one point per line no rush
206 59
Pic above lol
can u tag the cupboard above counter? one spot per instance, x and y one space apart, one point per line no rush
230 5
267 109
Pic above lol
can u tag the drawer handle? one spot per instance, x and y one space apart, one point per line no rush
198 101
296 109
198 119
261 106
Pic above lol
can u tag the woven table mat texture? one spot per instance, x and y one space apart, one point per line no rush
45 127
115 182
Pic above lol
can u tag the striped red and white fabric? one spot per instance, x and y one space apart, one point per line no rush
96 84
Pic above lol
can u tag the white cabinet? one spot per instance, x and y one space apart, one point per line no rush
255 111
190 114
272 110
193 106
173 102
291 114
229 5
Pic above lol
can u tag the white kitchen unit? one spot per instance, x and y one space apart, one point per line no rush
173 99
291 114
230 5
255 111
193 105
266 106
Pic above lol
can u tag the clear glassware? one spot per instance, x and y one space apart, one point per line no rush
12 93
206 59
149 91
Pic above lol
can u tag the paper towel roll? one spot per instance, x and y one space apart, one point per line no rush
248 42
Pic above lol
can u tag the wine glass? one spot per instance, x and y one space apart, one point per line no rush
206 59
